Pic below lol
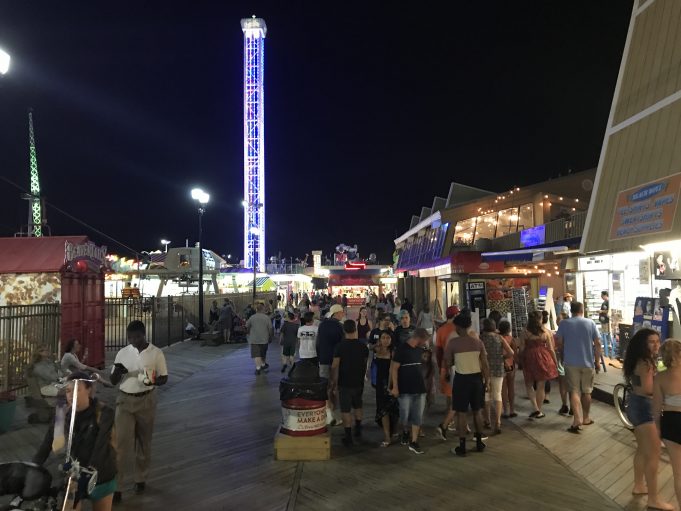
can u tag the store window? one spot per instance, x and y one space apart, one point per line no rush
508 221
464 232
486 227
525 216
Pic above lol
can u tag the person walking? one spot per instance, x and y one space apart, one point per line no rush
409 388
138 369
307 339
471 380
581 346
289 339
604 320
640 368
260 333
540 364
425 319
667 407
363 325
347 377
443 335
329 334
497 350
510 364
384 411
404 329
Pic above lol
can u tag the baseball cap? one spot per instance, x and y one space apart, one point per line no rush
451 311
334 309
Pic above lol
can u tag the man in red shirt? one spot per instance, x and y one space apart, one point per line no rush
441 338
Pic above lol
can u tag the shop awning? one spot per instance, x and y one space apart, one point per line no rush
35 255
264 283
523 255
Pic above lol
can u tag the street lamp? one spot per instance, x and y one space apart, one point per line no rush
254 231
202 198
165 243
4 62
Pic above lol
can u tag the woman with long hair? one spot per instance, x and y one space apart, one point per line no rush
508 388
497 349
667 406
70 363
363 325
539 361
639 368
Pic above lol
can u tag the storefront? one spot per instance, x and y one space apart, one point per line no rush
65 270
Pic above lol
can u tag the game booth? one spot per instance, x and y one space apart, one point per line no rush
68 270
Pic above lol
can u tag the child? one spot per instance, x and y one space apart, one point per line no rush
289 338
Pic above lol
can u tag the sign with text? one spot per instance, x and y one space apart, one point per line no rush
646 209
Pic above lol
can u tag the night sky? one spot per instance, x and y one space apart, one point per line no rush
370 110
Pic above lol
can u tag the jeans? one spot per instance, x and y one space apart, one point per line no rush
411 409
608 345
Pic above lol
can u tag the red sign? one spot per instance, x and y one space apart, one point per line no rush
355 266
471 262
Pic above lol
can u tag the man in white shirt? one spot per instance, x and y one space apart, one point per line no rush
307 338
139 368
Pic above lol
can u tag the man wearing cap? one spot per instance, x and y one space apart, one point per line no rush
329 334
403 330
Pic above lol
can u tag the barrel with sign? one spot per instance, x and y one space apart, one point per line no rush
302 434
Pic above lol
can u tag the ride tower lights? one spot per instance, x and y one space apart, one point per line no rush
254 30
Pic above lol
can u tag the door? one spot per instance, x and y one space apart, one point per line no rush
83 315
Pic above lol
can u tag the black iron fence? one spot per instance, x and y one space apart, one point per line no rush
23 328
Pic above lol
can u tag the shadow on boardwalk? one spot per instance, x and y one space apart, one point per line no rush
213 451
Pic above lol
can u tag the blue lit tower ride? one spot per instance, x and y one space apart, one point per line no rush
254 141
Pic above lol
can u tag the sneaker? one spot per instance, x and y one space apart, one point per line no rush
265 368
458 451
415 448
405 438
117 497
283 368
480 445
258 372
484 437
564 411
140 487
441 432
540 415
534 414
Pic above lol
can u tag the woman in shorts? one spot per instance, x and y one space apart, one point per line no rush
497 348
667 406
639 370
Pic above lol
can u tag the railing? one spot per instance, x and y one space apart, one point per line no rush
558 230
285 268
22 329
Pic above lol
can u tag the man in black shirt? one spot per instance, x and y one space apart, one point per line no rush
604 320
347 375
409 387
382 325
403 330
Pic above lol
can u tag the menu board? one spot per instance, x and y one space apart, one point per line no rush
649 313
519 310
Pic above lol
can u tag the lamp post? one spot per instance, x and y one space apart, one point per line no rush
165 243
202 198
4 62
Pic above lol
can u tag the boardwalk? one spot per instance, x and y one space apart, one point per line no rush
213 451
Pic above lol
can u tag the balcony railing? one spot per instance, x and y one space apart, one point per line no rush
285 268
558 230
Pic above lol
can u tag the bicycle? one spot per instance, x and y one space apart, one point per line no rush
620 397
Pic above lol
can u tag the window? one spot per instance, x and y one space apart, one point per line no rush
464 231
487 226
526 217
508 221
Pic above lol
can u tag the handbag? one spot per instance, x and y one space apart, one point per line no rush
374 372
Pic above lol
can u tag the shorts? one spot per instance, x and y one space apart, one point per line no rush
350 398
495 385
103 490
468 391
258 350
670 426
580 379
324 371
639 409
288 350
411 408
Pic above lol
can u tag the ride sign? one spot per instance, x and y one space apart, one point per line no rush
646 209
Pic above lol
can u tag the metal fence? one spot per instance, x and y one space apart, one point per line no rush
22 329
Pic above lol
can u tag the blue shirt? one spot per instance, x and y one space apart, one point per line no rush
578 336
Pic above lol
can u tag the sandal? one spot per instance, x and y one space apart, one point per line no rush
574 429
588 423
385 444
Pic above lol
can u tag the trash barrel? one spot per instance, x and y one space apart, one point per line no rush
303 401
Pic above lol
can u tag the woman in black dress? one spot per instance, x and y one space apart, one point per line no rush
386 407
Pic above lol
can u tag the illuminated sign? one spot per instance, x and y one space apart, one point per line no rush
355 266
646 209
533 236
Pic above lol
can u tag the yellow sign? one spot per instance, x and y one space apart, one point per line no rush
646 209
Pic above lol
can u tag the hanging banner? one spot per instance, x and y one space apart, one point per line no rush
646 209
649 313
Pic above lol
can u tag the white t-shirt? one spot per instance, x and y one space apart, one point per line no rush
307 337
151 359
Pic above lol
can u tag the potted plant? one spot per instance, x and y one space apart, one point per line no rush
8 407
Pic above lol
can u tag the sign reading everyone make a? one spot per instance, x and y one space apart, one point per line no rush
646 209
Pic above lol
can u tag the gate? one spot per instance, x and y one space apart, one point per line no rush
22 329
118 312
